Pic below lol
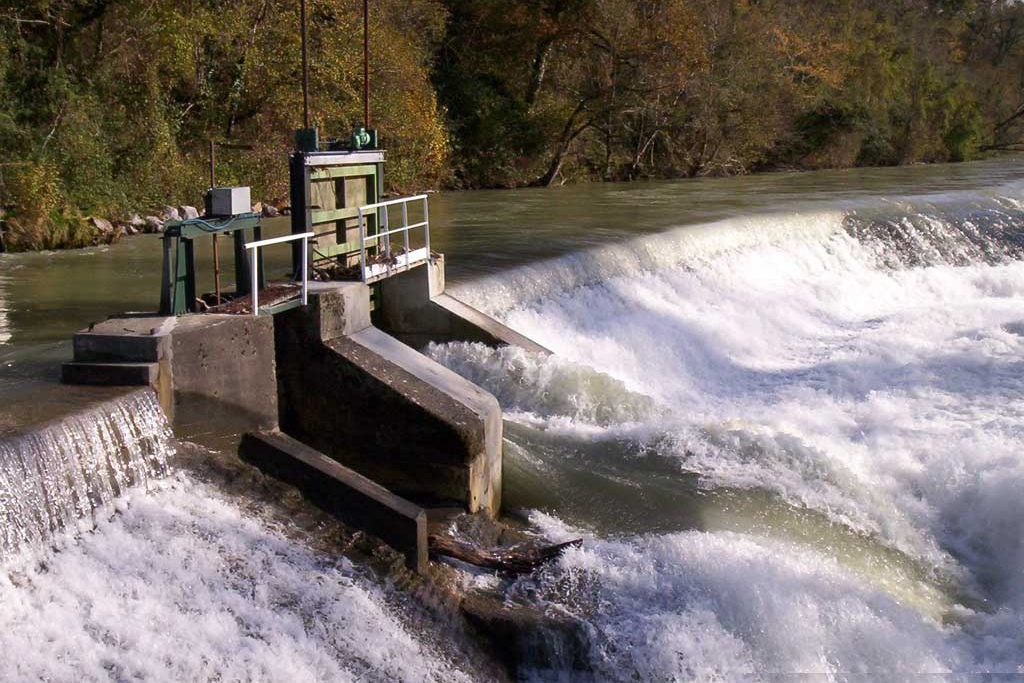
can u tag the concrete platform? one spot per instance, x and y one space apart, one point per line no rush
226 358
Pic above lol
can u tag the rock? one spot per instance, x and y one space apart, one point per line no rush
153 224
104 226
136 222
170 214
130 229
188 212
269 211
257 207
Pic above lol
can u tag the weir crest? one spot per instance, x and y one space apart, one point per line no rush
56 474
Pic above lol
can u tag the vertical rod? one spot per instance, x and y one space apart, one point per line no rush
362 246
405 233
216 268
305 67
216 251
305 270
213 161
255 285
426 226
366 64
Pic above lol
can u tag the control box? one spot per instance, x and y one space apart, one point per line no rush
228 201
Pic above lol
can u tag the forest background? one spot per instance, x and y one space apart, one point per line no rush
108 106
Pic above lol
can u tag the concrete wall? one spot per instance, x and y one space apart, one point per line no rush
414 308
383 409
225 358
340 491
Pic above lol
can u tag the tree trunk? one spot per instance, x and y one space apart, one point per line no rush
569 133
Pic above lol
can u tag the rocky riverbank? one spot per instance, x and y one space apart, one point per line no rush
66 232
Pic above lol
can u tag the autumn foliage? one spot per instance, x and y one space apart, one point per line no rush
107 106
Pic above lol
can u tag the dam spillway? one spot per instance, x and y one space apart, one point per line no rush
790 444
55 474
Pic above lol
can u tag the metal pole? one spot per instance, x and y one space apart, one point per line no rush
426 226
255 285
362 246
405 233
305 271
366 64
216 250
305 68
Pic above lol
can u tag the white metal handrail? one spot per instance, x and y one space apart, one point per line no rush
385 231
254 248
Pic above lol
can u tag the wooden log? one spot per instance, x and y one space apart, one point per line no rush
516 559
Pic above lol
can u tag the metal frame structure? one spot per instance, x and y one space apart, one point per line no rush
382 238
307 168
254 248
178 281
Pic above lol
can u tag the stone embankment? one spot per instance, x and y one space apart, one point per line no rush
111 230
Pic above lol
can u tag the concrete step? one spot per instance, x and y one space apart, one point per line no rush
110 374
353 498
91 347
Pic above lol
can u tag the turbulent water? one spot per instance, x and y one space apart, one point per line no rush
115 567
64 474
794 441
785 412
182 585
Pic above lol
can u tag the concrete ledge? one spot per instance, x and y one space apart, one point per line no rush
415 309
96 347
110 374
466 323
353 498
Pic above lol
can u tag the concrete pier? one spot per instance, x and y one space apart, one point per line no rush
415 309
378 406
323 382
225 358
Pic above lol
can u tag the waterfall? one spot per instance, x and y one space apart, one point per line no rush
54 476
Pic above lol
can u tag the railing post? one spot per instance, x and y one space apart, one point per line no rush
405 231
426 226
305 270
362 246
255 284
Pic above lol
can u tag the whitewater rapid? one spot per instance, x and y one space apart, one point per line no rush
184 585
795 442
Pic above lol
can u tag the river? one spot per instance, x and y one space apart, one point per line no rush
785 411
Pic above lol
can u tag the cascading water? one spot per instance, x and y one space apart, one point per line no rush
115 567
794 441
54 477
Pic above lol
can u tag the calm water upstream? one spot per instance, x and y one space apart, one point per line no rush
785 411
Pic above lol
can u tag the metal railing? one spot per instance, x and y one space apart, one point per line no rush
254 248
408 258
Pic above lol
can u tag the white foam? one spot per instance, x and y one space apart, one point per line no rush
185 587
791 361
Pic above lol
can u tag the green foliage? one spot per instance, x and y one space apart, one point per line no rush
108 106
670 88
114 101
